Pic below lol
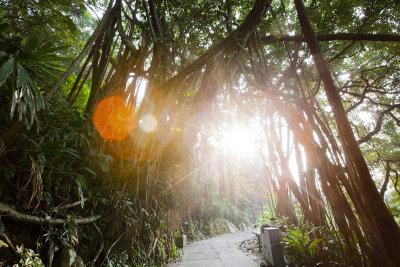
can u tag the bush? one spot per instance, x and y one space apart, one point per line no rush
305 244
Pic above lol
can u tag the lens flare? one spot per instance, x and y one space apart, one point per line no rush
148 123
114 119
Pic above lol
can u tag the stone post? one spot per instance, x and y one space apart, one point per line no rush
271 246
181 241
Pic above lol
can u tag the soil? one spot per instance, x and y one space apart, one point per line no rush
251 249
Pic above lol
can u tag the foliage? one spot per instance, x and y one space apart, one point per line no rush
62 161
28 258
60 22
264 218
223 208
26 67
83 96
305 244
71 168
394 204
299 246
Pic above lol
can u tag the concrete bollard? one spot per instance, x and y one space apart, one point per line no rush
271 246
181 241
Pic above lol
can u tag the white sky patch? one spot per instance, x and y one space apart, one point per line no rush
344 77
95 11
141 84
309 60
142 91
358 12
365 116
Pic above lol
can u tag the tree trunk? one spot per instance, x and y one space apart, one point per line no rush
385 235
88 46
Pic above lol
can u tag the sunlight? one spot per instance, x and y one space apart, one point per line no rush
239 141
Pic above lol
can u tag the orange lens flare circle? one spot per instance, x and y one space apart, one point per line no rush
114 118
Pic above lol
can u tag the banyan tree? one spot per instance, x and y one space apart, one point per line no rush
176 68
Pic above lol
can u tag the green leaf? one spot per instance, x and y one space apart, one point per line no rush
23 78
90 171
46 50
49 145
13 103
103 165
2 54
6 70
21 110
81 196
314 243
72 152
31 44
2 244
3 27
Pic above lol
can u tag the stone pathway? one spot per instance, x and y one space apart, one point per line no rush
220 251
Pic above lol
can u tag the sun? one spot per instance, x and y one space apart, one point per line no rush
239 140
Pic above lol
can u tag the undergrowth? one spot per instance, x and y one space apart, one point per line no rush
305 244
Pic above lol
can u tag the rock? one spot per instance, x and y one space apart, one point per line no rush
218 227
232 227
251 249
244 227
199 235
181 241
67 257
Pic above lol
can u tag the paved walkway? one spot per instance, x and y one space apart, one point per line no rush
220 251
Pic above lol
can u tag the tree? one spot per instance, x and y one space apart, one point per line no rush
384 224
260 59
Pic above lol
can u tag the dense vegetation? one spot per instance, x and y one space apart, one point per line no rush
127 123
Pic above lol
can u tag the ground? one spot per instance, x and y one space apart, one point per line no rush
216 252
251 248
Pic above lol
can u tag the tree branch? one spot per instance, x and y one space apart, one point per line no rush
239 35
335 37
88 46
386 181
124 38
16 216
71 205
378 125
385 232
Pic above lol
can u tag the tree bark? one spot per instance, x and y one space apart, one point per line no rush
386 181
100 62
385 235
240 35
16 216
378 125
88 46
